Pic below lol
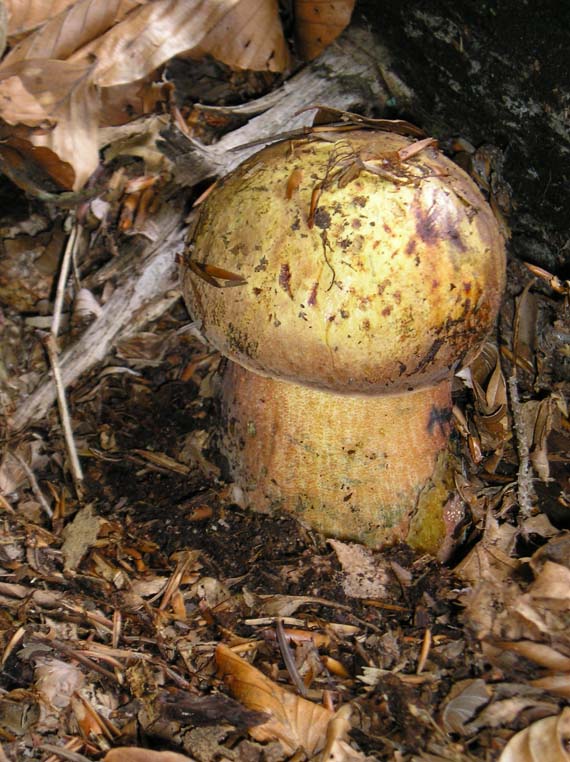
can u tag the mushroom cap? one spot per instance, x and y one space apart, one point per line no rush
365 271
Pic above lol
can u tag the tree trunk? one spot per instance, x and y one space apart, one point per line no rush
494 72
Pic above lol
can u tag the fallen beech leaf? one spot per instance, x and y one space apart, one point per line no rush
62 33
543 741
25 15
95 62
318 23
552 583
241 33
559 685
296 722
134 754
61 108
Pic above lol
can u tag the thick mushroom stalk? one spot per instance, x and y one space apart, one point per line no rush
367 269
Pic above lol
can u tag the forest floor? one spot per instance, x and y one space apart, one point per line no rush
122 611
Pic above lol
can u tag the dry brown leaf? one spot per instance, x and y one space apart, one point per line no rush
3 27
539 653
543 424
553 584
25 15
544 741
80 535
78 24
134 754
57 100
524 327
559 685
490 560
294 721
318 23
241 33
55 81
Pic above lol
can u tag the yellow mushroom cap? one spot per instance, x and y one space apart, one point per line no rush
364 271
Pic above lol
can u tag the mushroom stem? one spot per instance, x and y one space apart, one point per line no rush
350 466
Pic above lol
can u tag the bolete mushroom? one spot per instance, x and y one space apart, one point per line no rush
366 268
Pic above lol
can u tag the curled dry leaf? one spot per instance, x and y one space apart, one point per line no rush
318 23
58 103
491 411
468 697
294 721
539 653
544 741
3 27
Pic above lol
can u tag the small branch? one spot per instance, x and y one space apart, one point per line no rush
289 659
75 465
525 488
68 255
52 351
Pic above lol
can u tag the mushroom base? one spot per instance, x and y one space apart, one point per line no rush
371 469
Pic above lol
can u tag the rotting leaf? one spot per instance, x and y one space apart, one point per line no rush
80 535
189 709
364 576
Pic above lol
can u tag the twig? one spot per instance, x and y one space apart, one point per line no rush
63 274
35 486
75 465
289 660
525 489
52 351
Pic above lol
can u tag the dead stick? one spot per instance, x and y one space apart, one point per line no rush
62 280
75 465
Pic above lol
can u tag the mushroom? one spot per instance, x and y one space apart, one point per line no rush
355 272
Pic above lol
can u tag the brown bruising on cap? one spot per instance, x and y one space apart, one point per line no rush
285 279
322 218
437 219
312 299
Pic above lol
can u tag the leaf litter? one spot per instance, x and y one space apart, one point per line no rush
157 621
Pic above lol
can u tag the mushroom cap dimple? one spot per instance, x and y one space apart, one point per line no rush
363 273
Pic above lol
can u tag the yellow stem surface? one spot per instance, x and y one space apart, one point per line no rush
352 467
